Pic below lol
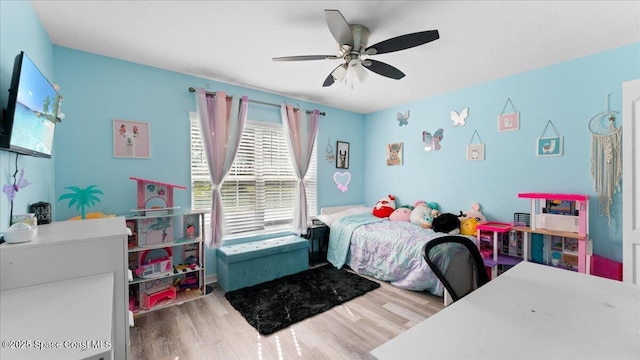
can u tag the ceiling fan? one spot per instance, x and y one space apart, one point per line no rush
352 46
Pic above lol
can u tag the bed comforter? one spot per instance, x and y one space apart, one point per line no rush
387 250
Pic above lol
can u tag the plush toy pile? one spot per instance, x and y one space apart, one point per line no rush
423 213
385 206
403 213
447 223
470 219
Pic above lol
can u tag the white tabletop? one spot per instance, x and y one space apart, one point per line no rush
530 312
68 320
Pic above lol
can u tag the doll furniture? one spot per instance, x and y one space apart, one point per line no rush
491 234
564 221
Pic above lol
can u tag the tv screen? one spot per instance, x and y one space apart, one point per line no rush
31 116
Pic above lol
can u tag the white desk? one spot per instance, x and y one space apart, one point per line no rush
67 320
530 312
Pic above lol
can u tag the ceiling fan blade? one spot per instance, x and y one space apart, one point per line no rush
339 27
403 42
328 81
337 74
383 69
306 57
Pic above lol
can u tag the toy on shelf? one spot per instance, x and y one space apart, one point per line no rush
154 268
491 246
152 298
155 197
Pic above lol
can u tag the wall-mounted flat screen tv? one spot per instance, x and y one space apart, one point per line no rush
30 119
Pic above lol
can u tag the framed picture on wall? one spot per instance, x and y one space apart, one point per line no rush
475 152
549 146
509 122
131 139
394 154
342 152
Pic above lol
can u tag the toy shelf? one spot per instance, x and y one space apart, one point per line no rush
178 242
566 234
502 260
166 259
137 280
181 297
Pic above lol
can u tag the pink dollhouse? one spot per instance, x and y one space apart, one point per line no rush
155 195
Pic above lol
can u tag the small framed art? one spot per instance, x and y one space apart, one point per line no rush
475 152
342 150
131 139
549 146
394 154
509 122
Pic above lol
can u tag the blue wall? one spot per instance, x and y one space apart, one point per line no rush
97 89
569 94
20 30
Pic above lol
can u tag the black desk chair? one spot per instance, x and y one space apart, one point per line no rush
465 272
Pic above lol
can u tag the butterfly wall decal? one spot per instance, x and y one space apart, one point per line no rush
403 119
11 190
432 141
459 119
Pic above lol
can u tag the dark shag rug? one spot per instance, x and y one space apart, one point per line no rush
276 304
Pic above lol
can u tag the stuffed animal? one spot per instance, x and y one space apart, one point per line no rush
385 206
403 213
447 223
424 213
468 226
470 219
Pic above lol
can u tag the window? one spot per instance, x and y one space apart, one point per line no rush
258 193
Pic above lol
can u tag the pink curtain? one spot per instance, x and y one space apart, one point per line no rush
222 121
301 129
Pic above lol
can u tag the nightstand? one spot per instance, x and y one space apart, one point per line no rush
317 234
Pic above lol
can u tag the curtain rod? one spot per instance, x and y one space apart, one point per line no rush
191 90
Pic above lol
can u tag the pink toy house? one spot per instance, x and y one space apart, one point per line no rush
155 195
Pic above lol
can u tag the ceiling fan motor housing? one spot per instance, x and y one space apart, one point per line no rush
360 37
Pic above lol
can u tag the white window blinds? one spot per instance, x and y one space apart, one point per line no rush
258 193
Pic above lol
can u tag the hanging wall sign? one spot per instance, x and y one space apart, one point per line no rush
475 152
549 145
508 121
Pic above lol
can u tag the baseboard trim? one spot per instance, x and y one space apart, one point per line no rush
211 279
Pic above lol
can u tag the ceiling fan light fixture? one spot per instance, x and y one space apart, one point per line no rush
340 73
358 71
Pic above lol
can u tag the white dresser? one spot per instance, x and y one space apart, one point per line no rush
68 284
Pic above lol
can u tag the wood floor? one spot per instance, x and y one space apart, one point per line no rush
210 328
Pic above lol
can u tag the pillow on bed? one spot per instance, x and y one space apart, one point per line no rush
330 218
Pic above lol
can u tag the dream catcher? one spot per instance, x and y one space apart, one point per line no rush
606 158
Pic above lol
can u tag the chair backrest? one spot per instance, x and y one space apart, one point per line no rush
464 272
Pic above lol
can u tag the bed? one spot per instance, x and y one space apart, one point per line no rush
386 250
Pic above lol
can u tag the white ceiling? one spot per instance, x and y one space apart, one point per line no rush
234 41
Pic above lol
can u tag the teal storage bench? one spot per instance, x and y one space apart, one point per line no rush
252 263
